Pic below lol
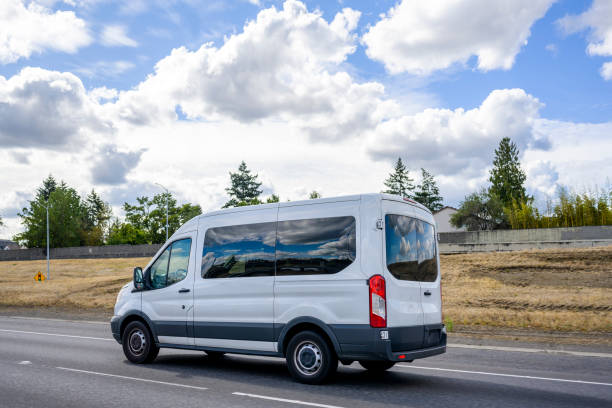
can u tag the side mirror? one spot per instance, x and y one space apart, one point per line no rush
138 279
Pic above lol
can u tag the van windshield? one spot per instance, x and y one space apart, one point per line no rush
410 248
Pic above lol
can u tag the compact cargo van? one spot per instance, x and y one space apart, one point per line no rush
353 278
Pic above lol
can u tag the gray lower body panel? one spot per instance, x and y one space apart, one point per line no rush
362 342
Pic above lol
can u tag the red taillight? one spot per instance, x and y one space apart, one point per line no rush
378 302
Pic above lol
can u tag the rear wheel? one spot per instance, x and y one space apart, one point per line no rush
138 344
377 366
310 359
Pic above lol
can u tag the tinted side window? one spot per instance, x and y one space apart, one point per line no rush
159 270
411 248
315 246
428 263
179 261
239 251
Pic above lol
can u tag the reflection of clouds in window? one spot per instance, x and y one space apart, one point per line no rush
313 231
404 246
410 248
315 246
248 232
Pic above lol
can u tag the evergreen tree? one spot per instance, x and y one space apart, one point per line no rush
49 186
428 193
273 199
507 177
244 188
399 181
314 195
1 222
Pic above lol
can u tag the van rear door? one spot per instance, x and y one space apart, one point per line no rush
400 265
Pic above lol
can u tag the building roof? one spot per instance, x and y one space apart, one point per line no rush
444 208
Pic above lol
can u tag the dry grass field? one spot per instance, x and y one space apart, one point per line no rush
566 290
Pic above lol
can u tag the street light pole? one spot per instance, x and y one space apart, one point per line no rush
167 194
47 239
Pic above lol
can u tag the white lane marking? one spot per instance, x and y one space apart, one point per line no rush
533 350
132 378
55 319
24 362
311 404
55 334
530 377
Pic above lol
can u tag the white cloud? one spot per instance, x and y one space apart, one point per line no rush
542 178
111 166
105 68
116 36
598 21
423 36
283 66
34 28
448 142
606 71
47 109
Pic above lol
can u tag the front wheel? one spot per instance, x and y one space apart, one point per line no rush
310 359
377 366
138 344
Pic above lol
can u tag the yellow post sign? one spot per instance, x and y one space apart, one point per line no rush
39 277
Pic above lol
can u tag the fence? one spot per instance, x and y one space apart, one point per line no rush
107 251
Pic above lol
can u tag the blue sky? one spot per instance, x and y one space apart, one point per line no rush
313 95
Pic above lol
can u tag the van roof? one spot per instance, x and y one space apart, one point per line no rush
355 197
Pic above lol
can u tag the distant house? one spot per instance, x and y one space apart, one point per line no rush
6 244
442 218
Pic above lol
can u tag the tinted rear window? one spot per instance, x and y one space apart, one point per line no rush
315 246
411 248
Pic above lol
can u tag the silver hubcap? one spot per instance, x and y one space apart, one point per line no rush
308 358
137 342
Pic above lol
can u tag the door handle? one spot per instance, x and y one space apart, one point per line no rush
184 290
427 293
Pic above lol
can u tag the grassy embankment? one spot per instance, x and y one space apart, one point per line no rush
550 290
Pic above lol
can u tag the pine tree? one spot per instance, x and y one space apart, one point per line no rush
314 195
273 199
49 185
399 181
244 188
507 177
428 193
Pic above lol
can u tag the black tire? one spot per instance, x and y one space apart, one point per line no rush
215 355
377 366
310 359
138 344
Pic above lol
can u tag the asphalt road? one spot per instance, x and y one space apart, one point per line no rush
47 363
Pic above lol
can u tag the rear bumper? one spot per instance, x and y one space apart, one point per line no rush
360 342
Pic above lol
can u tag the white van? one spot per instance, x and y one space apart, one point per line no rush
353 278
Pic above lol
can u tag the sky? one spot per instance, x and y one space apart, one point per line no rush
120 95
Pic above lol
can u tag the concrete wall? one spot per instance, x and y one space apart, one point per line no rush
514 240
541 234
107 251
